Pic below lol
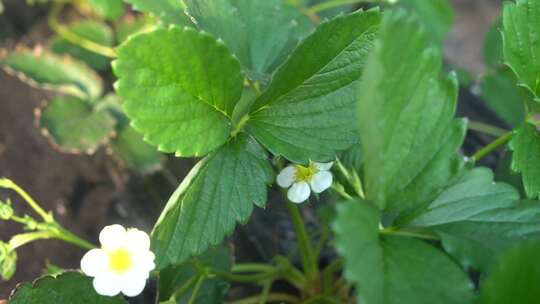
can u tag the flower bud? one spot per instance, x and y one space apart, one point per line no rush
8 261
6 212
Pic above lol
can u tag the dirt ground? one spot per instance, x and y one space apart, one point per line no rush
87 192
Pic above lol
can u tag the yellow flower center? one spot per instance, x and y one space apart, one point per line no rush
120 260
305 174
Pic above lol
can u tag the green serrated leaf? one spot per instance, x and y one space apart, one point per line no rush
68 288
179 88
49 71
390 269
493 45
515 278
168 11
305 113
498 89
526 158
260 33
74 125
478 219
108 9
521 26
213 290
94 31
406 112
217 193
437 16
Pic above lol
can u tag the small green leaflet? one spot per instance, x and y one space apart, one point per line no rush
437 16
213 290
394 270
515 278
406 111
168 11
74 126
526 158
260 33
108 9
132 152
68 288
94 31
493 46
478 219
218 192
521 27
498 88
45 70
305 113
179 89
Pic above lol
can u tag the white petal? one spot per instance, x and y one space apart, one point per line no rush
94 262
144 261
321 181
137 240
286 177
107 285
299 192
112 236
323 166
133 286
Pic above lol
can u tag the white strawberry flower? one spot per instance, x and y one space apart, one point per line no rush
122 264
302 180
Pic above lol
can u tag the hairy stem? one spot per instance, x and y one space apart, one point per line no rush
306 250
64 32
8 184
198 285
485 128
425 235
502 140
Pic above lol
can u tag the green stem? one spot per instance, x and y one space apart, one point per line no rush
272 297
8 184
182 289
485 128
306 250
247 278
198 285
410 233
25 238
64 32
328 272
266 292
503 139
252 267
68 236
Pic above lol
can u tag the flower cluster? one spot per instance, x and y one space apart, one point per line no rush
122 264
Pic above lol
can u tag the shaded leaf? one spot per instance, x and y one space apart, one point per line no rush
306 111
478 219
521 27
168 11
390 269
94 31
526 158
406 112
437 16
498 89
132 152
67 288
515 278
181 97
109 9
260 33
213 290
74 125
493 45
46 70
218 192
